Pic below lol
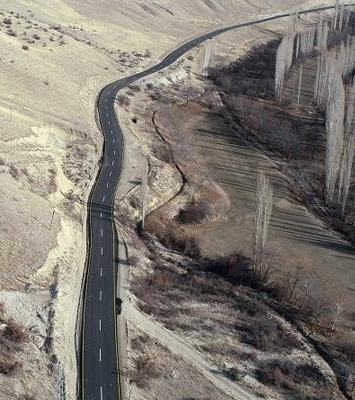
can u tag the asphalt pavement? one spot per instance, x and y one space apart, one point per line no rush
99 364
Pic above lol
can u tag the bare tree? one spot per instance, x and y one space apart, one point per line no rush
317 306
284 56
337 311
335 132
307 287
336 13
263 210
341 17
292 280
299 85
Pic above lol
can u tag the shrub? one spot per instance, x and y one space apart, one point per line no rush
139 342
8 363
123 100
161 152
134 261
290 376
346 344
135 88
36 36
145 370
11 32
268 335
25 47
195 213
14 332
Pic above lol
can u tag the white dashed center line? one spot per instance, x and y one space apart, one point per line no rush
109 93
103 198
101 232
114 152
101 214
102 251
100 325
109 122
108 184
107 114
111 132
100 355
113 163
100 296
101 394
100 272
110 173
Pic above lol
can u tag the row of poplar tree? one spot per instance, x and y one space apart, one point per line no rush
334 89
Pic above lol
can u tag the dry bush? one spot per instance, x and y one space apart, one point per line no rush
123 100
14 332
11 32
14 172
36 36
235 268
195 212
134 261
9 364
292 377
25 47
135 88
161 152
253 75
145 370
52 185
140 342
346 344
268 335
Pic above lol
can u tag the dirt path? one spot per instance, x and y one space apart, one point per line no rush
182 349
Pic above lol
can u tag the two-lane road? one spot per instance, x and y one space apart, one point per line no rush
100 377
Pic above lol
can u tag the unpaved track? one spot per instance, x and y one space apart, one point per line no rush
182 349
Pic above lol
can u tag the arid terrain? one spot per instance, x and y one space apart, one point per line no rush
55 58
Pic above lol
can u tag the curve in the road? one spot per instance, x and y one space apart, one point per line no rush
99 364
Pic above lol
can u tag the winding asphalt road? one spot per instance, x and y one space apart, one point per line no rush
100 377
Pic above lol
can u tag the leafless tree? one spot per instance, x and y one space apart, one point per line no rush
336 13
307 284
263 210
299 85
337 311
341 17
292 280
349 149
284 56
317 305
335 132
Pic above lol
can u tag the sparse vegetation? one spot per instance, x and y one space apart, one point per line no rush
12 338
145 370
